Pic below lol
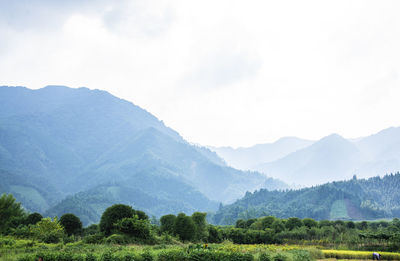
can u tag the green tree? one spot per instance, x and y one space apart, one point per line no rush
214 235
91 230
267 221
141 215
240 223
134 226
47 230
350 224
293 223
33 218
11 213
111 216
278 226
168 224
309 222
185 227
200 222
71 223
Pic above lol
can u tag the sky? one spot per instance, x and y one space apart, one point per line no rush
221 73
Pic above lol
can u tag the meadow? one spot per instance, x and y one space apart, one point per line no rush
14 249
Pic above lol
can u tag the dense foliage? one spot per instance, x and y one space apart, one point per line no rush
348 200
11 212
71 223
248 239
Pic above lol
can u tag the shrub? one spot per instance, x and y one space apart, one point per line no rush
117 239
47 230
146 256
106 256
316 253
134 227
265 257
94 239
282 257
301 255
90 257
235 256
172 255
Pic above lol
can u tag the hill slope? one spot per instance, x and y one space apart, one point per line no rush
354 199
78 140
331 158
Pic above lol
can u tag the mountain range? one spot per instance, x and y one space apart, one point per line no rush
80 150
305 163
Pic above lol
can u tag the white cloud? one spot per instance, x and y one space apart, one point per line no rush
219 72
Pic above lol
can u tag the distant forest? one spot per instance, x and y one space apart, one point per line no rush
356 199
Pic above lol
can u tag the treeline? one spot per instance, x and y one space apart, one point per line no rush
363 235
355 199
121 224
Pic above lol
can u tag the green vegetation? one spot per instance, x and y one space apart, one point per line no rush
11 213
71 223
125 233
356 199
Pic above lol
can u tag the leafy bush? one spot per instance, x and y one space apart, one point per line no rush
21 232
47 230
94 239
301 255
240 257
282 257
117 239
316 253
106 256
90 257
7 242
147 256
265 257
172 255
134 226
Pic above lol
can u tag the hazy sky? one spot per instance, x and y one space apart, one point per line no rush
219 72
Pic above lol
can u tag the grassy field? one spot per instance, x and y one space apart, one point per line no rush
12 249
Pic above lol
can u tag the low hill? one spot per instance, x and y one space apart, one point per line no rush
349 200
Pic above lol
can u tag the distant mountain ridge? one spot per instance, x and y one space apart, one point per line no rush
58 141
249 158
328 159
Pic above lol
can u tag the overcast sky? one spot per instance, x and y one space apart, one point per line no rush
219 72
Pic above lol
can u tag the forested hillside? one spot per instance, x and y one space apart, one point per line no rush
58 141
354 199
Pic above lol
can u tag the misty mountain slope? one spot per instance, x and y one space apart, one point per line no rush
249 158
331 158
34 194
360 199
164 155
382 151
174 196
78 139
